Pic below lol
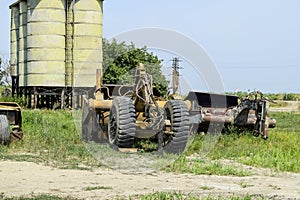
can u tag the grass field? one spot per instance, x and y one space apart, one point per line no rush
280 152
51 137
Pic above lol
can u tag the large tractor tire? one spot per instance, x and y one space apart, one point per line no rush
121 126
176 112
4 130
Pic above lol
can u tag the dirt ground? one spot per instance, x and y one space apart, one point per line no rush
26 178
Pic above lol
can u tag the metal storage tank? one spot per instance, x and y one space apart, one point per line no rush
14 35
22 43
46 43
56 47
87 44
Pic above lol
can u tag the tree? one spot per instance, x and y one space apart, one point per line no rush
5 72
120 61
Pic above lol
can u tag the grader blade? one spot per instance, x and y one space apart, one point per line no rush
223 110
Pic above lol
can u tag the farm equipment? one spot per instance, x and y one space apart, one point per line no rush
117 114
10 122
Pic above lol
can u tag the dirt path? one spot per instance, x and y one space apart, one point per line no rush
26 178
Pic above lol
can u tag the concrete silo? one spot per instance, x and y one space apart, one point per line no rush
45 44
56 47
14 37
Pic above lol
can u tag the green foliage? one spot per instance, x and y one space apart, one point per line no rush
5 71
283 96
273 96
19 100
120 61
5 96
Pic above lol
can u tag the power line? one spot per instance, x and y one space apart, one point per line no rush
243 66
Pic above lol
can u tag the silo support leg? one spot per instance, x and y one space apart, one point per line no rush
34 97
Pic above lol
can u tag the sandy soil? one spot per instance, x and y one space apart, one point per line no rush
26 178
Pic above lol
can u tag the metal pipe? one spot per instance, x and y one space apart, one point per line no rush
98 79
218 118
100 104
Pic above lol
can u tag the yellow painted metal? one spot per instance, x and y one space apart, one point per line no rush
14 35
45 43
87 53
161 104
100 104
188 104
22 42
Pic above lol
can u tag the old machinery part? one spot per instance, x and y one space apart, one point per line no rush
121 126
176 132
4 130
145 102
11 118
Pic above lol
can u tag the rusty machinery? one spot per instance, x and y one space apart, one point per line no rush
215 110
10 122
118 114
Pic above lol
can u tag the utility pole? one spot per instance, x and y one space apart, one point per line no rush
175 76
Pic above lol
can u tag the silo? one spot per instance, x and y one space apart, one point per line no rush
87 43
46 43
56 46
22 43
14 35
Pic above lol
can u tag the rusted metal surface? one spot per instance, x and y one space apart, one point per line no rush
119 113
228 110
13 113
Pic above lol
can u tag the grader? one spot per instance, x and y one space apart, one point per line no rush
117 114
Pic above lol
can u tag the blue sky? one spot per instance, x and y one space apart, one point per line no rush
254 44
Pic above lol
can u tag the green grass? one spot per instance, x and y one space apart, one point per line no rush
190 196
152 196
37 197
50 137
206 187
280 152
197 166
90 188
